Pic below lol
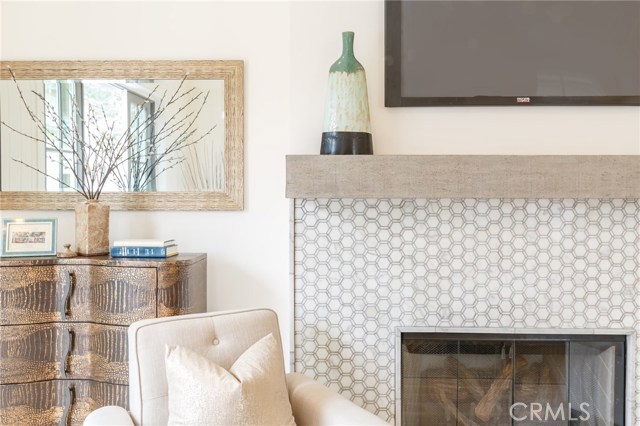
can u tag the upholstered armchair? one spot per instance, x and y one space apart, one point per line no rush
221 337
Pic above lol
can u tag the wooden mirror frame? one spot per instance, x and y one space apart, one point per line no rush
232 72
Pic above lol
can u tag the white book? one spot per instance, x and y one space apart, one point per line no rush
144 242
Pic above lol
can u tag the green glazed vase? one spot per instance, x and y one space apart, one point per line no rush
347 126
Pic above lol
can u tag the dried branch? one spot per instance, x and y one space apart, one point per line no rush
95 153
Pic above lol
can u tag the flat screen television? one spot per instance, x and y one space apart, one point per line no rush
522 52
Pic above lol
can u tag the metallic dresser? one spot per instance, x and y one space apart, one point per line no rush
63 329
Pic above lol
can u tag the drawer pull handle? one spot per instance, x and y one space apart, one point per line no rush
68 405
68 292
71 338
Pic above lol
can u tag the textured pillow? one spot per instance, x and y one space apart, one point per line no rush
252 392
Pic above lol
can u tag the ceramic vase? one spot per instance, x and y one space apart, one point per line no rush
347 127
92 228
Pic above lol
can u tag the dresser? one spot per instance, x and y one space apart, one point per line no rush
63 329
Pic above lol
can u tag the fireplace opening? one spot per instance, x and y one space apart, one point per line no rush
455 379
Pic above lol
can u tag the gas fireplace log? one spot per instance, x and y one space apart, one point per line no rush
468 379
451 408
449 386
538 383
529 386
548 390
499 386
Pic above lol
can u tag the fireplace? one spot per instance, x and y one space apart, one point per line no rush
475 379
483 244
365 268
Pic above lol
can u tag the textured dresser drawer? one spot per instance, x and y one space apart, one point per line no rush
29 295
57 402
30 353
103 294
107 294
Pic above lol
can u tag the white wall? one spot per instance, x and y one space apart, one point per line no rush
287 49
16 176
316 43
248 252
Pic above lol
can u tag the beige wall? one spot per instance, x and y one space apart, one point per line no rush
287 49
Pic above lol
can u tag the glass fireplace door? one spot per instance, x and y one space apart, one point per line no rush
505 380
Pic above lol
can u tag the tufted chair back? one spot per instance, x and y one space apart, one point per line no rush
219 336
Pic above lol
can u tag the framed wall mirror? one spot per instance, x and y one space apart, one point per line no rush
206 99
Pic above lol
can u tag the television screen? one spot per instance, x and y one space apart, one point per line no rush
457 52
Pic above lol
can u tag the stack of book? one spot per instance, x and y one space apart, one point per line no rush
144 248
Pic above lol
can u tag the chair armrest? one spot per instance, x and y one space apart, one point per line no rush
108 416
316 405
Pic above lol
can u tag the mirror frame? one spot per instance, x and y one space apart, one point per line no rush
231 71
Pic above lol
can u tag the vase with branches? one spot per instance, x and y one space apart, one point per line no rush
88 145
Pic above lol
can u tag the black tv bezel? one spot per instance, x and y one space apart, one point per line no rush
392 84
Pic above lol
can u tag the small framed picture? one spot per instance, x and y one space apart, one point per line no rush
29 237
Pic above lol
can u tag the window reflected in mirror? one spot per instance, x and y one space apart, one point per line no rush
119 109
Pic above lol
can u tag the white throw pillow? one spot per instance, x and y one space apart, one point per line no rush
252 392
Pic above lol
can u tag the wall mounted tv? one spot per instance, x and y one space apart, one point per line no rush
521 52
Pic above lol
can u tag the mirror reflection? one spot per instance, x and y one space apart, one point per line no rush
170 132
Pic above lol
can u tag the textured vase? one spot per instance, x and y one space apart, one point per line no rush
92 228
347 127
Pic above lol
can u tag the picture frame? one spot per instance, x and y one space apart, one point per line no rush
29 237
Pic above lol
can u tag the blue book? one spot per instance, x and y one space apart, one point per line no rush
157 252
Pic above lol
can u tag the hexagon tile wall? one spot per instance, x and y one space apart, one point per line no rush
364 267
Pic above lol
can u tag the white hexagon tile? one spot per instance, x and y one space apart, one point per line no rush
364 267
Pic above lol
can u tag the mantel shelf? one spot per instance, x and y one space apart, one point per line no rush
463 176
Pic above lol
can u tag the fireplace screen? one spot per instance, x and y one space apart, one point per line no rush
523 380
